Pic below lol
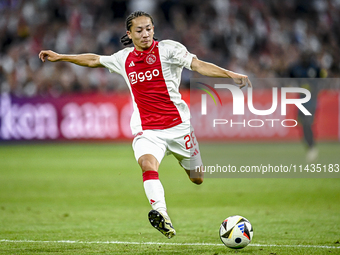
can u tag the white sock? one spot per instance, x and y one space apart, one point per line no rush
154 191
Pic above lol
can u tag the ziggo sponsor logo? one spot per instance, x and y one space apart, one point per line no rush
140 77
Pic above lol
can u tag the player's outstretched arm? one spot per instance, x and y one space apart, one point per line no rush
212 70
88 59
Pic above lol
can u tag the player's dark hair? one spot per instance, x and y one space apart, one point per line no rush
128 23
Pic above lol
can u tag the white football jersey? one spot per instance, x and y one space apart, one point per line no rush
153 77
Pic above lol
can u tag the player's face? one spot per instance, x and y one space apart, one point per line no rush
141 33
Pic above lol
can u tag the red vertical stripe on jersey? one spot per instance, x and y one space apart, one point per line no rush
149 89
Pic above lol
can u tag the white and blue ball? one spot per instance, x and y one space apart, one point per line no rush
236 232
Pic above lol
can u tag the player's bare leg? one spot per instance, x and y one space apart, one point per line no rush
154 191
148 162
196 176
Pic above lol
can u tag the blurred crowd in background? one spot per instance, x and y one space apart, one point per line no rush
260 38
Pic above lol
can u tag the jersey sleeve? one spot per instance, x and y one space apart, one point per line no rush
115 62
178 54
111 63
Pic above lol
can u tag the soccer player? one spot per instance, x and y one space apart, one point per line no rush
160 119
308 68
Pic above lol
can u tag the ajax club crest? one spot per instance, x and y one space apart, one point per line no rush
150 59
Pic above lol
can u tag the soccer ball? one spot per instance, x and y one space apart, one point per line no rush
236 232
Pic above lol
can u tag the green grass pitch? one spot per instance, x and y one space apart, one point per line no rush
88 198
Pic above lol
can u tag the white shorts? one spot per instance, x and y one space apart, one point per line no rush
179 140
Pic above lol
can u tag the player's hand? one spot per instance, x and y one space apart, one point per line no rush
242 80
50 55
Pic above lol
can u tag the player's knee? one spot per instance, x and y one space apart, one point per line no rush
146 165
196 176
197 180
